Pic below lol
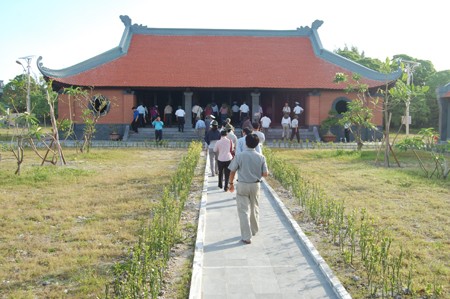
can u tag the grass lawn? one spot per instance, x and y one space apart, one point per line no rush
61 228
412 209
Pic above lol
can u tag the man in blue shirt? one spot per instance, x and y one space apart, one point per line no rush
200 128
158 124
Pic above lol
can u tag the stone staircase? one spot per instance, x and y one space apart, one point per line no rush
189 134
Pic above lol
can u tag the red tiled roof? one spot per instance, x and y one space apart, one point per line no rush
215 59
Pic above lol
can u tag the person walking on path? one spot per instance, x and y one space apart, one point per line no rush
158 125
180 118
244 112
200 128
251 167
265 124
294 127
211 138
196 112
247 123
261 135
240 145
232 137
223 149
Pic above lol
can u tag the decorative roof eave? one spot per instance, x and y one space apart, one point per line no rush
82 66
347 63
305 31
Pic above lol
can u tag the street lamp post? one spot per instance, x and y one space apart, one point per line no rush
409 66
28 71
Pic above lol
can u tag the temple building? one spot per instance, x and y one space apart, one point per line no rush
184 67
443 97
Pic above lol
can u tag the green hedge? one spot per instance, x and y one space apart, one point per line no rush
387 274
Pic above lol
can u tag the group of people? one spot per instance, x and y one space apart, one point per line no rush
202 118
229 155
141 117
291 126
235 113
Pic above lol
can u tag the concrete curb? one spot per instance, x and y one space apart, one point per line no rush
336 285
195 291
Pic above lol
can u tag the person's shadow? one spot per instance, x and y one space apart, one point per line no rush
223 244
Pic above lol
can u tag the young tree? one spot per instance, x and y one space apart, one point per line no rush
358 114
395 96
93 107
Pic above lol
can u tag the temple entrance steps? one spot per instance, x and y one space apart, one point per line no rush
189 134
148 134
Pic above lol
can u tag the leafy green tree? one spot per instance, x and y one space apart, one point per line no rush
354 55
424 110
15 96
415 94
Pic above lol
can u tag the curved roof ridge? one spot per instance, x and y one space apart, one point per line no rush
131 29
88 64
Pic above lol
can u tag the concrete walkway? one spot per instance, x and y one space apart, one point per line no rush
280 263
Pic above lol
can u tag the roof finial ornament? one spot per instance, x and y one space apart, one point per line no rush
316 24
126 20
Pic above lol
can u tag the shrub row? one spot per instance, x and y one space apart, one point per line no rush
387 272
140 276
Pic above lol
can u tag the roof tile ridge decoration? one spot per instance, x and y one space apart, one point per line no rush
304 31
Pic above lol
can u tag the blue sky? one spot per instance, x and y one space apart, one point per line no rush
67 32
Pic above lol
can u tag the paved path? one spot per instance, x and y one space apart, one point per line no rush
280 262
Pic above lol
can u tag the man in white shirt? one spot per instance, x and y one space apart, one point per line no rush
241 146
141 110
265 124
244 110
260 134
294 127
180 118
286 124
196 112
297 110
